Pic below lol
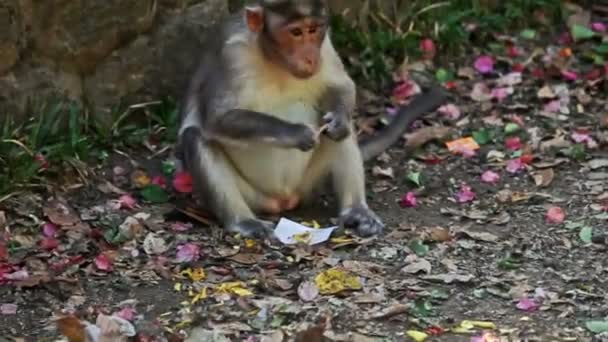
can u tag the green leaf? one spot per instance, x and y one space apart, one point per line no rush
168 167
482 137
422 308
480 293
574 225
602 216
528 34
443 75
154 194
419 248
586 234
597 327
509 263
414 177
439 294
602 48
580 32
577 152
511 128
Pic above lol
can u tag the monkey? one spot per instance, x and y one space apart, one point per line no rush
267 119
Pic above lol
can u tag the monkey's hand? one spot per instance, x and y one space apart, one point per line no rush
338 126
305 137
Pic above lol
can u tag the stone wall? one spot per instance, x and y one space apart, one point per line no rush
104 52
99 52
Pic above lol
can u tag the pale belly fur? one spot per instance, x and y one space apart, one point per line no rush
276 171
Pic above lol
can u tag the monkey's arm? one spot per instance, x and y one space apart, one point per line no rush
244 126
338 104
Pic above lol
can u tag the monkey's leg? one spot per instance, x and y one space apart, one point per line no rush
220 185
348 177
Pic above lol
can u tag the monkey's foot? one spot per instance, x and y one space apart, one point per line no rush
290 203
253 229
364 220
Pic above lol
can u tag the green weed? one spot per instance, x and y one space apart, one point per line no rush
377 44
61 134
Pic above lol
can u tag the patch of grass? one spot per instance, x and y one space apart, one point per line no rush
377 44
60 135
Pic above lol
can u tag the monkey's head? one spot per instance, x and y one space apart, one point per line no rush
291 32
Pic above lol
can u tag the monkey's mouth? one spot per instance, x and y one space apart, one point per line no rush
304 74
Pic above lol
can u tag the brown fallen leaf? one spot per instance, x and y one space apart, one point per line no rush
439 234
314 334
450 277
424 135
247 258
384 172
73 329
543 178
391 311
60 213
417 266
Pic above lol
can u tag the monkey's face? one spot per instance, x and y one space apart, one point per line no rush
298 45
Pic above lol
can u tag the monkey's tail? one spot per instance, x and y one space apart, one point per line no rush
421 104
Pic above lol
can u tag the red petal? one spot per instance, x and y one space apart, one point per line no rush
103 263
183 182
49 244
3 252
555 215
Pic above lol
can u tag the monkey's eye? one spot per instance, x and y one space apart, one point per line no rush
313 30
296 32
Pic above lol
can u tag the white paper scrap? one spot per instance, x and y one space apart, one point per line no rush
287 231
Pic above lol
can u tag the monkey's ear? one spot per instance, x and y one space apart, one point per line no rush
255 18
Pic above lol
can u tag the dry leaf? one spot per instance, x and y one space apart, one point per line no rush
60 213
543 177
546 92
417 266
387 172
308 291
424 135
247 258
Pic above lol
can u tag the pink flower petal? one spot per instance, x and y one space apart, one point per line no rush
181 227
484 64
127 314
18 275
119 171
160 181
409 200
49 243
555 215
513 143
515 165
570 75
599 27
490 177
428 48
49 229
405 90
465 194
127 201
103 263
579 137
8 309
188 253
450 111
183 182
501 93
553 106
527 304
